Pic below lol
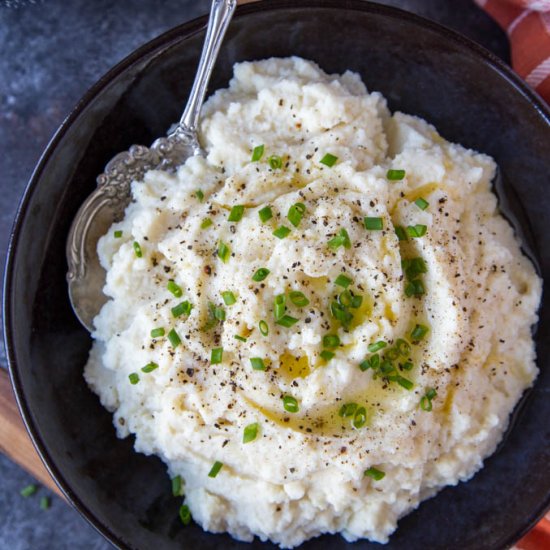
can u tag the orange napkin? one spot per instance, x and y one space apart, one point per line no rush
527 24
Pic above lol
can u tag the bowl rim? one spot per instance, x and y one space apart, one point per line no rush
164 40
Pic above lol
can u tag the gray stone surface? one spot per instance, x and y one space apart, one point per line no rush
52 51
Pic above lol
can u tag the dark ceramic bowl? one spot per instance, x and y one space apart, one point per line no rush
422 69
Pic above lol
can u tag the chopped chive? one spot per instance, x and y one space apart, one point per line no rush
281 232
407 366
414 267
236 213
373 348
298 298
416 231
340 239
419 331
279 306
374 473
182 309
174 288
149 367
137 249
329 160
228 297
327 355
391 354
290 404
431 393
395 175
223 252
347 410
177 486
286 321
257 363
342 281
265 214
421 203
216 356
260 274
28 491
134 378
426 404
206 223
295 213
118 234
403 347
373 224
257 153
370 363
174 338
240 338
401 233
360 418
45 503
341 313
185 514
200 195
345 298
216 312
215 470
275 162
331 341
158 332
405 382
415 288
264 327
250 432
356 301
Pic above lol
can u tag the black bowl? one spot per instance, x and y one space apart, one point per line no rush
422 69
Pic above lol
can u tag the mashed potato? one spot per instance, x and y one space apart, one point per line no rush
322 323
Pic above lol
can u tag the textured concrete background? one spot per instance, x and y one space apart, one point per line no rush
51 52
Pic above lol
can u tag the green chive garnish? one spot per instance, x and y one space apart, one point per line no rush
28 491
341 239
215 470
118 234
185 514
407 366
174 338
236 213
331 341
174 288
374 473
264 328
177 486
45 503
326 355
373 224
257 363
426 401
149 367
240 338
416 230
414 288
373 348
257 153
360 418
405 383
418 332
395 175
223 252
157 332
207 222
265 214
403 347
137 249
401 233
290 404
281 232
343 281
228 297
421 203
286 321
295 213
182 309
329 160
216 356
250 432
199 194
279 306
298 298
260 274
134 378
347 410
275 162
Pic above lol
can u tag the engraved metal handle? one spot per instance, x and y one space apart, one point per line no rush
220 16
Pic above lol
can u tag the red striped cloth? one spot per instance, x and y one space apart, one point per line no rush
527 24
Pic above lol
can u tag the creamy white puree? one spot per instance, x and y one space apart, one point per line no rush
303 475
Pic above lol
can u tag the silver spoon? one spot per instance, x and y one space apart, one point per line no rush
106 204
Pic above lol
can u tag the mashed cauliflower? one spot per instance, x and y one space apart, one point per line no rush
324 321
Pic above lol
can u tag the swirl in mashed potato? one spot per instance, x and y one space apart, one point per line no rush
352 342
